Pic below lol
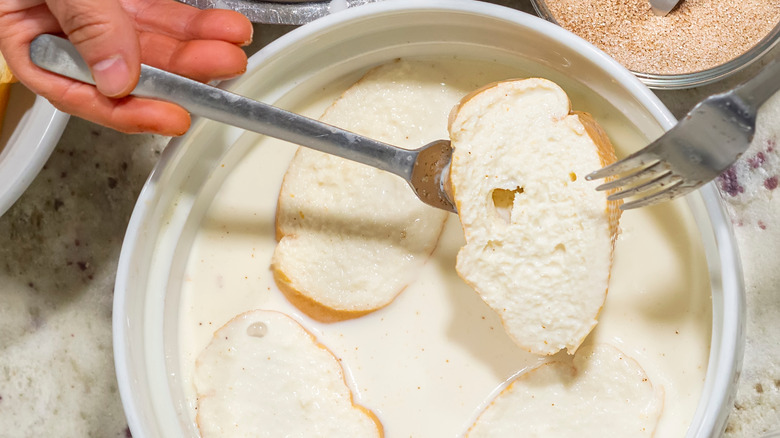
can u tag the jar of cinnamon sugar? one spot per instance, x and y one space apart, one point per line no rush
698 42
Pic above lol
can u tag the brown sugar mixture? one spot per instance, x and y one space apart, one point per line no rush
696 35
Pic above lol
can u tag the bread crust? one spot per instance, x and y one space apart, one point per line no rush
607 155
314 309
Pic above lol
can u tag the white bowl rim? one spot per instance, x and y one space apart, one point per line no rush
728 354
28 149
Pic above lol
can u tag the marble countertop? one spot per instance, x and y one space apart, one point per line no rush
59 246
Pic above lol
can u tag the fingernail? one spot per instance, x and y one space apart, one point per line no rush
111 76
251 36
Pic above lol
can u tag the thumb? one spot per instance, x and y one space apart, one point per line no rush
105 37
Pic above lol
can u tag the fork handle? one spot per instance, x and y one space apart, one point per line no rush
58 55
758 89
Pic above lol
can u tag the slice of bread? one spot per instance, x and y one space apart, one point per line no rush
539 237
264 375
601 392
352 237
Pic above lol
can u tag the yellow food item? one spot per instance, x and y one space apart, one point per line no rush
6 79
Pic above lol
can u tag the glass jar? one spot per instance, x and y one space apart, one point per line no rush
694 78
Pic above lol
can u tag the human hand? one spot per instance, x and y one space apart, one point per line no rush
114 37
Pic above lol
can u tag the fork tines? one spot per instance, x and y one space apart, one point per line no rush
641 175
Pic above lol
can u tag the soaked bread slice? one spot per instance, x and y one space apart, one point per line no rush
539 237
351 237
600 392
264 375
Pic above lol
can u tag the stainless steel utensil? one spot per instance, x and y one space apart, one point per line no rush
709 139
663 7
425 169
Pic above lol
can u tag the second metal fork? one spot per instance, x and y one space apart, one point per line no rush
709 139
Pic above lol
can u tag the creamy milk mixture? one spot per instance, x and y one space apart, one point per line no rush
429 362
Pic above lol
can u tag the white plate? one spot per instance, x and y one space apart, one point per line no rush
31 129
167 216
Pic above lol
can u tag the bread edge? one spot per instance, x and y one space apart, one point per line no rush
311 307
573 369
365 410
606 153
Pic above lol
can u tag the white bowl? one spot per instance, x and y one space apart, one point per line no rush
31 129
172 203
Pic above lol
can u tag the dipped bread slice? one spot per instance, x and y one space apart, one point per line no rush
264 375
352 237
539 237
601 392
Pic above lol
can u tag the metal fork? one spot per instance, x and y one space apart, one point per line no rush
706 142
425 169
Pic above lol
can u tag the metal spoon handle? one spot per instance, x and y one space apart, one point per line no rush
58 55
663 7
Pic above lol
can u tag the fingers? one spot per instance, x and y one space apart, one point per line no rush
185 22
17 29
105 37
128 114
200 44
134 115
175 37
221 24
202 60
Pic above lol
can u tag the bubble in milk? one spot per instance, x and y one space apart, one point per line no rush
257 329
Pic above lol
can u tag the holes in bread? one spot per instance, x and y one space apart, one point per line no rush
257 329
492 245
504 201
